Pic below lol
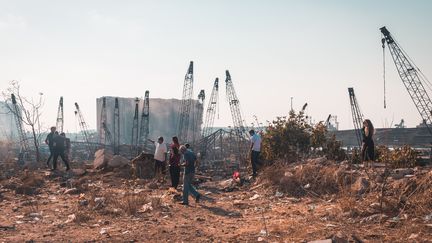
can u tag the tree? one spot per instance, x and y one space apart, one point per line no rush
30 112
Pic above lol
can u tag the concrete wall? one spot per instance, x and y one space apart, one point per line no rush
163 117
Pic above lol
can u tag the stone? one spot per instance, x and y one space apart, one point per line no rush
117 161
102 157
79 172
321 241
71 191
70 218
254 197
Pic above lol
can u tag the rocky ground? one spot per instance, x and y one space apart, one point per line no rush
313 200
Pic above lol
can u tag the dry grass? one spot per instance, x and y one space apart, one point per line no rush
131 203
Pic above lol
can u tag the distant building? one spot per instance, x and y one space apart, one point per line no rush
8 130
163 118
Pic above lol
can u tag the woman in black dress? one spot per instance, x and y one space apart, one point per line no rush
368 147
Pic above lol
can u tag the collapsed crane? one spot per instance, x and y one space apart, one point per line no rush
116 143
84 128
60 121
356 115
145 121
185 107
234 104
24 146
411 76
211 109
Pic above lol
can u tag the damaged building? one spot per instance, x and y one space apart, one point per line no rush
163 117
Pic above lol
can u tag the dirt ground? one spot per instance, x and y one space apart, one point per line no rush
90 206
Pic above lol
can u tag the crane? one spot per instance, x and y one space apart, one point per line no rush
327 122
356 115
234 104
411 76
145 120
211 109
134 141
24 146
60 122
185 107
116 127
84 128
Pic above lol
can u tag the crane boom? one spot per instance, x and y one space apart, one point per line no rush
211 109
19 120
411 77
145 115
186 103
84 128
234 104
60 122
356 115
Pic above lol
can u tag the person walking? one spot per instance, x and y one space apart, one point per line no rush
174 162
159 157
67 146
368 146
189 173
49 141
59 148
255 148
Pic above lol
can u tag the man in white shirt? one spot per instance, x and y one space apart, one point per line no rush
255 150
159 156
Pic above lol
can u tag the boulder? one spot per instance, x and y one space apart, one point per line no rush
102 157
117 161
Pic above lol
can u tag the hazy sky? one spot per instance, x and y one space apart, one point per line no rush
309 50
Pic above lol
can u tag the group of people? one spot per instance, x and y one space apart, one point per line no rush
59 146
179 156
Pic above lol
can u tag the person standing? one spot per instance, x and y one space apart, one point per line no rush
174 162
67 146
59 148
368 146
189 173
255 149
49 141
159 157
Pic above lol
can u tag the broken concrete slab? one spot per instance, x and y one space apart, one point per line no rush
102 156
117 161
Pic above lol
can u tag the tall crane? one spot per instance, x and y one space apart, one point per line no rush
234 104
356 115
186 103
211 109
116 127
411 76
24 146
60 122
145 121
84 128
134 141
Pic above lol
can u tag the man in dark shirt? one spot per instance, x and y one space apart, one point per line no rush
189 174
59 150
50 142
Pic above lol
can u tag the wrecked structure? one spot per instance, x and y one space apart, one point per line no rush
163 117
